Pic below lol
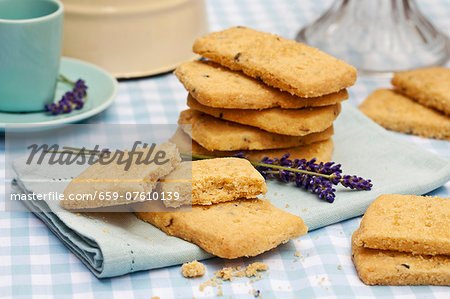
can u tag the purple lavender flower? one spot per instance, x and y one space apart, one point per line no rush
320 177
355 182
239 155
70 100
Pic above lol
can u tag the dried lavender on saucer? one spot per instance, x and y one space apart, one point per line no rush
70 100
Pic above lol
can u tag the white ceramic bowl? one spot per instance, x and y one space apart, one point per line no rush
133 38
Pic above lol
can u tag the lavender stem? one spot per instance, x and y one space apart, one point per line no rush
65 79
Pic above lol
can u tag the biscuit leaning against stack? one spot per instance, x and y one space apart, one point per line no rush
419 105
404 240
226 218
262 95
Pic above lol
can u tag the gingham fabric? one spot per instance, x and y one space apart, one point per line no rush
34 263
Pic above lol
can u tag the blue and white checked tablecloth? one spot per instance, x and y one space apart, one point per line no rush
34 263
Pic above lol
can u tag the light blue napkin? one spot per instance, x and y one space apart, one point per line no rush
117 243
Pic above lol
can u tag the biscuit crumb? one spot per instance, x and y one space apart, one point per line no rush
220 292
240 273
225 273
78 214
252 269
287 206
193 269
207 283
339 267
304 209
106 230
155 297
295 260
297 253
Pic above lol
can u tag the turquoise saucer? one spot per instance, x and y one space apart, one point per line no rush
102 89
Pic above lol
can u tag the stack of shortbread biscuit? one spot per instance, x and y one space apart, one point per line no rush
262 95
404 240
419 105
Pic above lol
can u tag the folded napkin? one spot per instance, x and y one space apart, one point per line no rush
113 244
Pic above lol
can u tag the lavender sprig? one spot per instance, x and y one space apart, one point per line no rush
70 100
320 182
317 178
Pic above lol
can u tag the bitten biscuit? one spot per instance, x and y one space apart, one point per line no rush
213 181
99 179
407 223
428 86
397 112
384 267
321 150
217 134
231 229
216 86
278 62
293 122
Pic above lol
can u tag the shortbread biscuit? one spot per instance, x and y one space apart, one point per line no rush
321 150
384 267
213 181
282 63
231 229
216 86
293 122
99 179
217 134
397 112
428 86
407 223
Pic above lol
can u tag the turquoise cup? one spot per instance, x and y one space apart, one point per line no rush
30 49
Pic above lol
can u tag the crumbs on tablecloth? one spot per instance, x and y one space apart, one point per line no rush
219 292
252 269
229 273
